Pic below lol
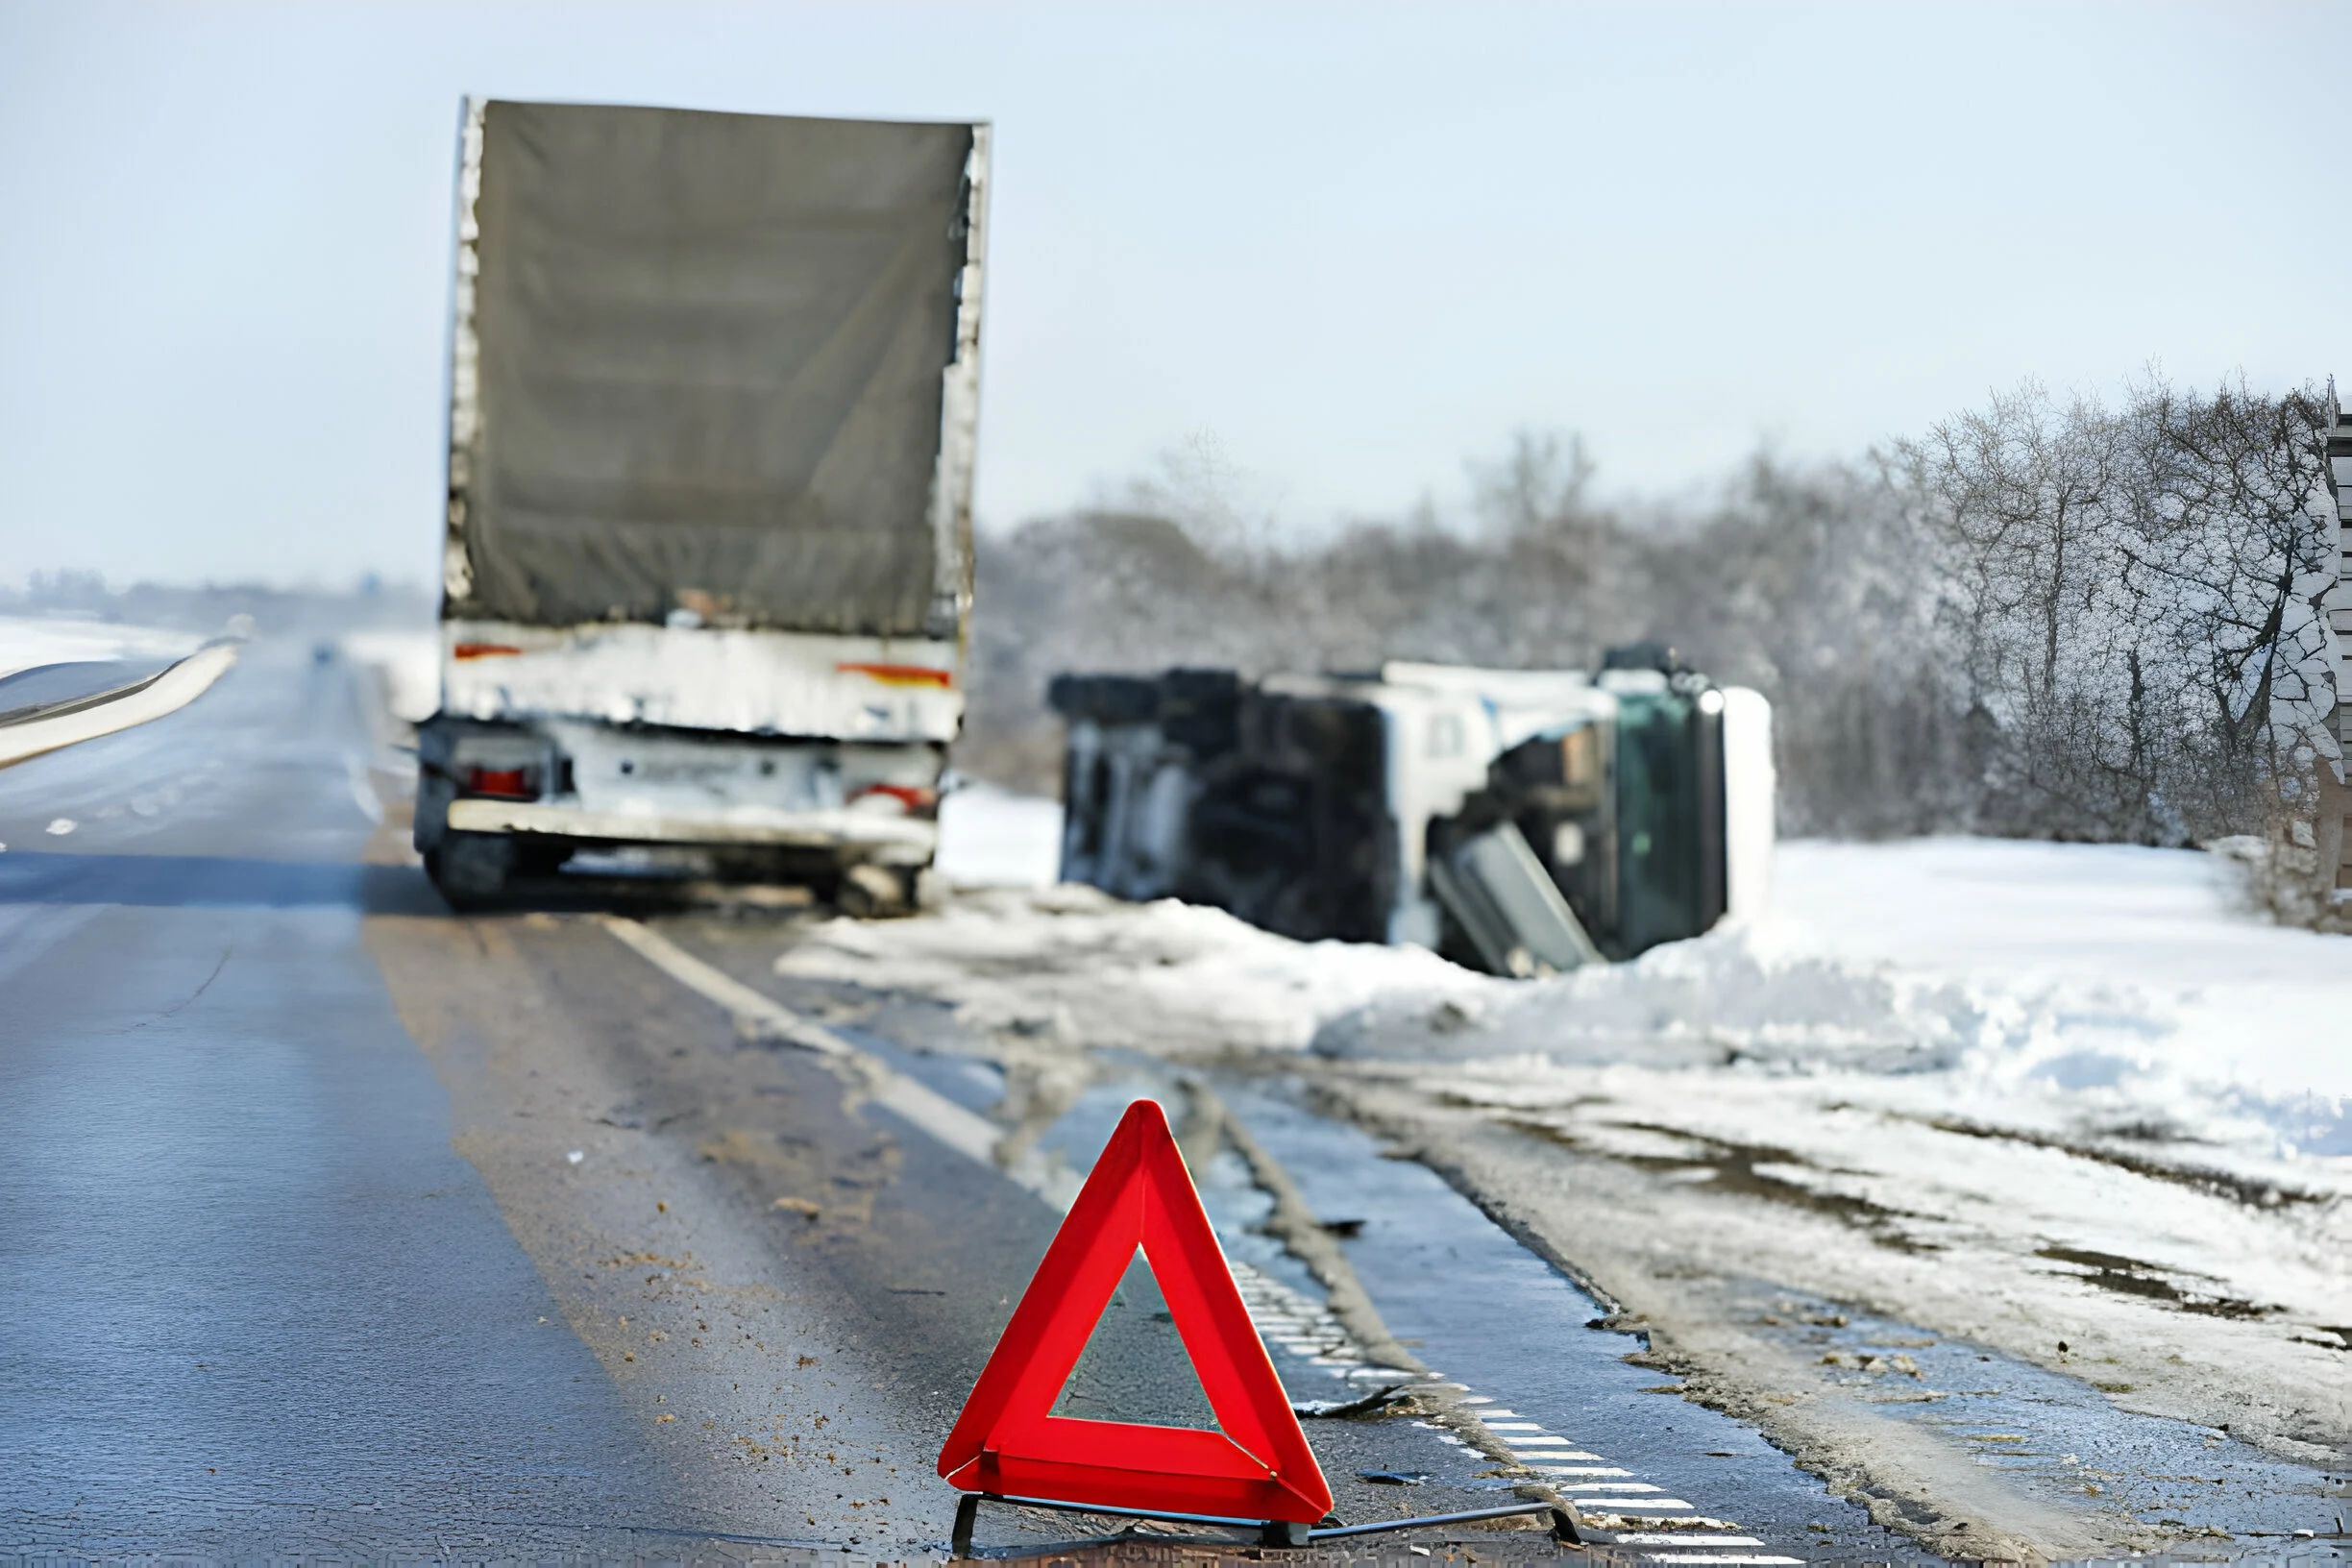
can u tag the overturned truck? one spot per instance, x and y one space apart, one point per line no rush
1520 821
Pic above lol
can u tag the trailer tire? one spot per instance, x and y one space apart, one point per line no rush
471 870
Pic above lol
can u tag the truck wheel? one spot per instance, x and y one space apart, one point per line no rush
471 868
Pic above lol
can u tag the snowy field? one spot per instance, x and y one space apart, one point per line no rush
2070 1103
29 642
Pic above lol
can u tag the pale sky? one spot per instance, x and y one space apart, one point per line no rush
1351 246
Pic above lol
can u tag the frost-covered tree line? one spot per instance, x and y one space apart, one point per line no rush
2134 599
2043 617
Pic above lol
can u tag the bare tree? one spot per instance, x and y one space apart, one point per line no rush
2243 558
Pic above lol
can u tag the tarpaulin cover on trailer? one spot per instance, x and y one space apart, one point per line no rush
710 350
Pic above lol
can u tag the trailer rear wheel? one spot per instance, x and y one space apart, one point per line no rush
471 870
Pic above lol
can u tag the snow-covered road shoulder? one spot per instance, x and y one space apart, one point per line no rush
2071 1103
1081 966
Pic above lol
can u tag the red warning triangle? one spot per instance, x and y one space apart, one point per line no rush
1258 1466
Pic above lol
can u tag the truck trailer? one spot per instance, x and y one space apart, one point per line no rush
707 564
1521 822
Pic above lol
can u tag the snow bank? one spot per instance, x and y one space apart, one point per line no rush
28 642
2090 985
2152 947
1084 967
1014 951
2026 1093
990 838
2073 990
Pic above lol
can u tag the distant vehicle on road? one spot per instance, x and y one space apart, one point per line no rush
1523 822
713 395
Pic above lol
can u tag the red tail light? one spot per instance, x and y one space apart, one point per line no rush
917 799
509 783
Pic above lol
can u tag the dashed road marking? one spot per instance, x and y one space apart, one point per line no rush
1280 1311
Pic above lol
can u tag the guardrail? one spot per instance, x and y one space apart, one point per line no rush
47 727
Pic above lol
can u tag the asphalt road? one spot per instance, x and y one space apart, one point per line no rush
258 1299
335 1223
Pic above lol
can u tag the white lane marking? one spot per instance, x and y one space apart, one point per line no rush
964 1131
1514 1426
364 793
1280 1315
1714 1556
1638 1538
759 1017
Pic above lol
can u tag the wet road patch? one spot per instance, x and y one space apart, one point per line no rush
2054 1436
